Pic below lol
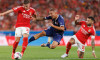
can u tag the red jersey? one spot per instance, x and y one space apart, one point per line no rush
23 18
85 32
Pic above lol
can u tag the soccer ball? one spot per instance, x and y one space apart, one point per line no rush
17 55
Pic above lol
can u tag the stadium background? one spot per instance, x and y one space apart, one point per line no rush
67 8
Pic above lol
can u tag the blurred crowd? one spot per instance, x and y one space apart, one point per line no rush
67 8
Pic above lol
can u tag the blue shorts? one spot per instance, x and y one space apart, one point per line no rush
51 33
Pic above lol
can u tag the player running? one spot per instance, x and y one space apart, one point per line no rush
55 31
81 37
25 13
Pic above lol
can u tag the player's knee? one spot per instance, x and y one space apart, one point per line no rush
25 35
17 39
52 47
42 33
72 40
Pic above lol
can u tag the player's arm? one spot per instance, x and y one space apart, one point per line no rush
42 18
61 27
56 27
35 18
93 46
76 20
4 13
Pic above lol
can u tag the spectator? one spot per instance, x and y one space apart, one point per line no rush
67 8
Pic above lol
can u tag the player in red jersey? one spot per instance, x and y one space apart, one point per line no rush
81 37
25 13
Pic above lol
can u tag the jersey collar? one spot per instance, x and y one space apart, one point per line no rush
28 9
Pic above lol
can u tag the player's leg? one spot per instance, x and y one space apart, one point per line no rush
69 44
18 35
50 40
81 49
43 33
68 47
15 44
47 32
25 33
56 40
54 45
78 52
81 54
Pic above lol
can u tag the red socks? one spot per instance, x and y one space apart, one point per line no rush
25 42
15 44
24 45
68 47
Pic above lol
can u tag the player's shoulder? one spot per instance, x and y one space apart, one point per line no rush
60 17
83 21
32 9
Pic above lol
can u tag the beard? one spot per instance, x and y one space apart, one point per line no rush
89 24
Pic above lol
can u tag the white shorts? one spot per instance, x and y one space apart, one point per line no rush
81 47
21 30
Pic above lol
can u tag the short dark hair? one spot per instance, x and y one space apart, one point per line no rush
26 1
52 9
92 18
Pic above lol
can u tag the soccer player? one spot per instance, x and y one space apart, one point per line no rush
81 37
55 31
25 13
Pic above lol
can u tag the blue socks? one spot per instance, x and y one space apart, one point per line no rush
31 39
48 45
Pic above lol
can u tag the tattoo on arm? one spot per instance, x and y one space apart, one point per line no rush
93 44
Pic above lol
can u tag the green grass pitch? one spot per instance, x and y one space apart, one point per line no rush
44 53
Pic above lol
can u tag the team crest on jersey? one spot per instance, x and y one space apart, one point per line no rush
83 25
89 30
24 11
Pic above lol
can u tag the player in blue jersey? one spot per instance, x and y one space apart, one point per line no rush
55 31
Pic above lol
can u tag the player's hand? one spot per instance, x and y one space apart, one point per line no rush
50 24
77 17
93 53
33 19
1 14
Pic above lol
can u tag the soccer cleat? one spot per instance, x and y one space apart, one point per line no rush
12 56
64 55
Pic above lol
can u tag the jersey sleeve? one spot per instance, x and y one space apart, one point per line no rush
93 34
17 9
49 17
82 22
61 22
